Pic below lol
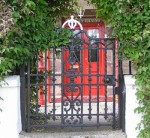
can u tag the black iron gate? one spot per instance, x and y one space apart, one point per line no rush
73 85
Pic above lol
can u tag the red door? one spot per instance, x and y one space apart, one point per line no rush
93 64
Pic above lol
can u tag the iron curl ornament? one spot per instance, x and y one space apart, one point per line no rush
72 23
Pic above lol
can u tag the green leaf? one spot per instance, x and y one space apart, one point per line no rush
28 23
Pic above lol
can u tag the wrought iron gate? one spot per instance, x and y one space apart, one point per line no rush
61 91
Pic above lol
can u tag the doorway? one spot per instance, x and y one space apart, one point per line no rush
89 60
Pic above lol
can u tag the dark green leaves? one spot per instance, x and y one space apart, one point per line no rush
33 30
130 20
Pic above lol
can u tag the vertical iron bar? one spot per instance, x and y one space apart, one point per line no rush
81 68
130 68
28 98
98 64
106 106
121 98
62 84
122 93
119 94
71 73
114 98
54 84
37 83
23 97
45 85
89 78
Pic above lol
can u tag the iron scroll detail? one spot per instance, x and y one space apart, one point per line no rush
72 23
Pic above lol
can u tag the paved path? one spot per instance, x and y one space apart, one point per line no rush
103 132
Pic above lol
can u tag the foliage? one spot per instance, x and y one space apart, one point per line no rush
62 7
32 30
28 26
131 22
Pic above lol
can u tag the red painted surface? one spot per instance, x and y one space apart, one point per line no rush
86 65
48 78
41 67
116 62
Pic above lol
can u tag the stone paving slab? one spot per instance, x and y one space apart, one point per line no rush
90 132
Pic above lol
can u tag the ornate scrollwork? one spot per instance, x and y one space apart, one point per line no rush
72 23
72 106
71 120
72 58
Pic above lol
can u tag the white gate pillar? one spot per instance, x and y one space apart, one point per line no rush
10 117
131 118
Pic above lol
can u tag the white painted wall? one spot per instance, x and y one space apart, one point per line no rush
10 117
131 118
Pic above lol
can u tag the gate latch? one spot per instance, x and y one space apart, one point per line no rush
109 80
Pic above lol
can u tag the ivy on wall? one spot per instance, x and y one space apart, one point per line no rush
130 20
28 26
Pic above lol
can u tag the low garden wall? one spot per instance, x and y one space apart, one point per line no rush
131 118
10 117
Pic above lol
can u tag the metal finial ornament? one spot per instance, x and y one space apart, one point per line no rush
81 13
72 23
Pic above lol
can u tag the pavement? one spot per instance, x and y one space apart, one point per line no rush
90 132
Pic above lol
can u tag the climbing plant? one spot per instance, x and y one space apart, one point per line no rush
130 20
28 26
